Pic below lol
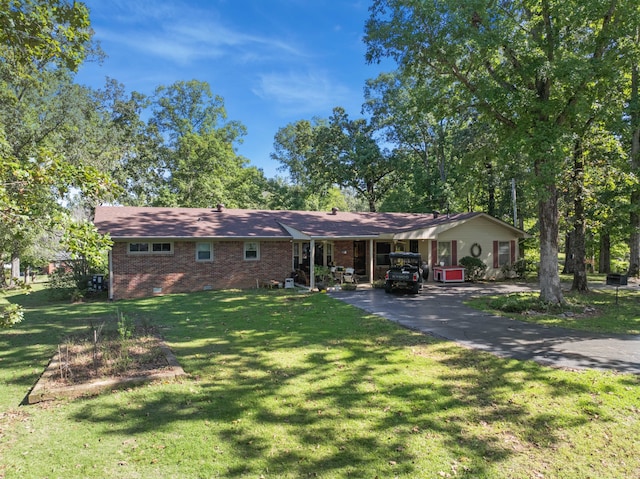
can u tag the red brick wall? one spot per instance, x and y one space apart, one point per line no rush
137 275
340 258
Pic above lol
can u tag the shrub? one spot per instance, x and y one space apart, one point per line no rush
523 302
475 268
10 314
518 269
61 284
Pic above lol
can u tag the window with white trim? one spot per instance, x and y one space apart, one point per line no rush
444 253
251 250
138 247
504 253
329 253
150 248
204 252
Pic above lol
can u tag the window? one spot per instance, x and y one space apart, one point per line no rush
504 253
150 248
161 247
444 253
138 247
382 253
296 255
251 250
413 246
204 252
329 253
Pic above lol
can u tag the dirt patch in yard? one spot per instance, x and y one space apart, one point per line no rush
102 361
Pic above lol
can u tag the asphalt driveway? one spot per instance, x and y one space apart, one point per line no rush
439 310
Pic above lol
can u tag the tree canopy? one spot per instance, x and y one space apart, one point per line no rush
537 69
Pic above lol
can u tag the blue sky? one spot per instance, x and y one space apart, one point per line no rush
273 61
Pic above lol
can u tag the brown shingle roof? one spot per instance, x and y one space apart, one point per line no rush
147 222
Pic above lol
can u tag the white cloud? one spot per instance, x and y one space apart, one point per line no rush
182 34
300 93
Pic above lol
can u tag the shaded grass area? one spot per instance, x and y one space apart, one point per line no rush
603 310
289 385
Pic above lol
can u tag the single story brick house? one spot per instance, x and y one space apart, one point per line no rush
169 250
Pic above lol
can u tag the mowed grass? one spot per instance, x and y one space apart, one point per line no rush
601 310
291 385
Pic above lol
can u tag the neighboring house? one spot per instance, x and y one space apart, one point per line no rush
168 250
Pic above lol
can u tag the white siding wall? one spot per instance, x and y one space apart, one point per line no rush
481 231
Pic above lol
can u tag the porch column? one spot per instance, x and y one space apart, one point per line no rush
371 262
312 264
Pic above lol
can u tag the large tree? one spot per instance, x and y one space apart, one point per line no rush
336 152
528 64
199 155
41 44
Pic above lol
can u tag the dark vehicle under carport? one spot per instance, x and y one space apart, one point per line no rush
405 272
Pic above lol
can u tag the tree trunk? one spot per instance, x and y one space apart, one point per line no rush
579 252
634 219
550 289
3 276
15 269
604 264
569 257
491 188
634 238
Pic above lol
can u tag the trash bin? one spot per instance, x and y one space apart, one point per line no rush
288 283
616 279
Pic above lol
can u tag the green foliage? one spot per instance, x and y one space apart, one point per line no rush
125 326
61 283
519 269
601 310
10 315
40 33
199 138
324 275
336 151
87 247
41 44
475 268
520 303
537 90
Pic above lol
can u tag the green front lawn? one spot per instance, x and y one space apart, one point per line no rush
290 385
601 310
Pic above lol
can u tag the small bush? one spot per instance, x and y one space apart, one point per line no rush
378 283
519 269
475 268
10 314
522 302
61 284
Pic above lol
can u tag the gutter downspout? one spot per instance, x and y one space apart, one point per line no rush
110 275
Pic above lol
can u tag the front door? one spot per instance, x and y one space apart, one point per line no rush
360 257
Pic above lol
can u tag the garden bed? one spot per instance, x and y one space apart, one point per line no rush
85 368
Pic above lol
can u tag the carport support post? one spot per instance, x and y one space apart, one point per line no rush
312 265
371 256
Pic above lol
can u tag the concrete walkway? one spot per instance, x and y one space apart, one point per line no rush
438 310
